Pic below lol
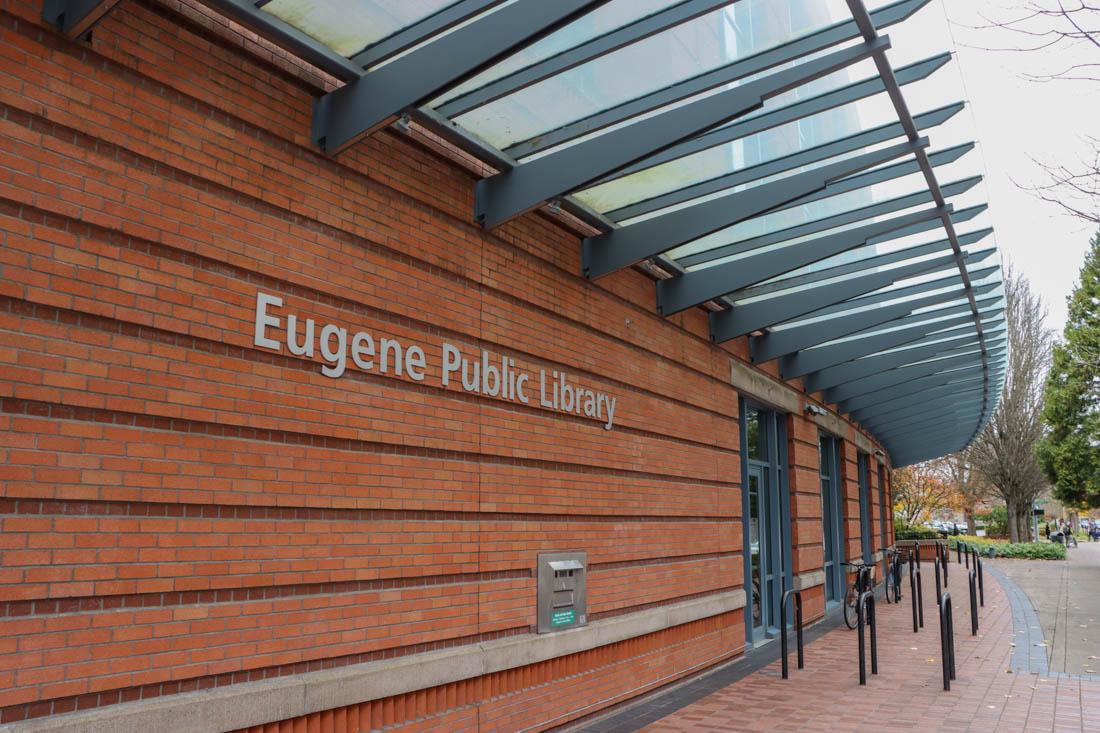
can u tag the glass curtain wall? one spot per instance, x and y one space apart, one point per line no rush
757 25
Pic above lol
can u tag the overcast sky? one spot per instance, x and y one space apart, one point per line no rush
1017 121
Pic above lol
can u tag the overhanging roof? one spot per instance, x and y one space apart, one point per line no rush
774 175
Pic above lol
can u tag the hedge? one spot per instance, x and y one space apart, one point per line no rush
1016 550
916 533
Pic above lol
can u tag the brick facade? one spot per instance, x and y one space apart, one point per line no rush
182 511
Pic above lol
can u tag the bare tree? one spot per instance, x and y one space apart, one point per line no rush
1053 28
1004 452
968 484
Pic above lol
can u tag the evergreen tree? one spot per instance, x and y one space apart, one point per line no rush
1070 452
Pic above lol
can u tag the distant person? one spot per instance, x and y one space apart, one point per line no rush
1046 530
955 528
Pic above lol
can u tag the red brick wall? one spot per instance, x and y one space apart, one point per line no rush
181 510
807 531
555 691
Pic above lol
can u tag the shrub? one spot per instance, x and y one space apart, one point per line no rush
1016 550
916 533
996 521
1033 551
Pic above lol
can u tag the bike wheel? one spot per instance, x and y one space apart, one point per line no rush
851 612
893 586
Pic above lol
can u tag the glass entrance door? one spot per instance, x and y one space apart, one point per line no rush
767 520
761 567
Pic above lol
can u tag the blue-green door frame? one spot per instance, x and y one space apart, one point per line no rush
778 529
832 514
865 507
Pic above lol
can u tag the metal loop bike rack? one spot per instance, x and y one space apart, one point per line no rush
944 555
913 591
947 641
973 578
981 583
938 569
797 625
918 597
893 573
867 615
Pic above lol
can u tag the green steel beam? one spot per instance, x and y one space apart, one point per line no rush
510 193
363 105
855 266
737 70
861 214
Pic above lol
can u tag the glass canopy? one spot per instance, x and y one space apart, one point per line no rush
803 169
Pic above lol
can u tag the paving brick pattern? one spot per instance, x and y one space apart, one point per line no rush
1029 653
996 688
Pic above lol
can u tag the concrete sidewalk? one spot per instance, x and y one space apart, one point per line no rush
1066 596
907 695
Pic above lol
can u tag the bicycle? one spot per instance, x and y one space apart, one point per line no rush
864 581
893 574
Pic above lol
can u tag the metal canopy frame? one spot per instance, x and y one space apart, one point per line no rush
884 296
600 46
803 157
510 193
869 32
871 211
874 340
899 375
800 337
734 71
619 248
914 386
861 265
915 352
699 286
741 320
75 18
833 326
417 33
370 102
793 112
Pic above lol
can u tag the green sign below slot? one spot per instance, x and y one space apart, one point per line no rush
563 618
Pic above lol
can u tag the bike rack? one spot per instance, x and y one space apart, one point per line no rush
913 592
947 641
798 627
939 589
973 578
919 596
981 582
867 614
893 570
944 553
886 581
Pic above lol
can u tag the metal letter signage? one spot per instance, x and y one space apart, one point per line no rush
493 375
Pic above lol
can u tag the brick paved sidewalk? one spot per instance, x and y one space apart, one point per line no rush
908 693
